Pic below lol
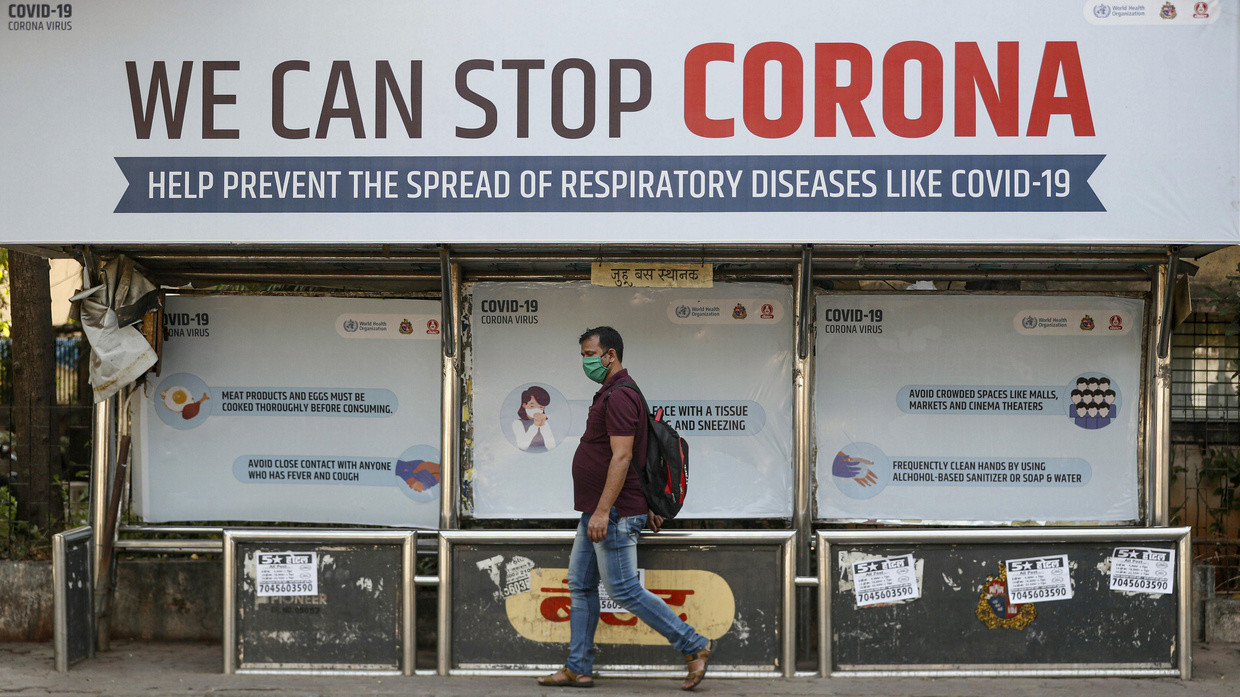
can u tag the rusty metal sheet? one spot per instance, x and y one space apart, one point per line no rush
962 619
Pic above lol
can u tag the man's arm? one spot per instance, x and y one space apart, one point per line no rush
617 472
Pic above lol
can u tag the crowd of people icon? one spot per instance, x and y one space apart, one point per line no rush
1093 402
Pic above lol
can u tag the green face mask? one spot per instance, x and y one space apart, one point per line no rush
594 368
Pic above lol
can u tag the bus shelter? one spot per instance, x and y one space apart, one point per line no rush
826 361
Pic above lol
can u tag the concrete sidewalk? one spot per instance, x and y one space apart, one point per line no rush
149 669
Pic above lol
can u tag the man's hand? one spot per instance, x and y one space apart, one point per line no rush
596 530
655 521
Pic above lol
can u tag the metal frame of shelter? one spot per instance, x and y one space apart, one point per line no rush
429 271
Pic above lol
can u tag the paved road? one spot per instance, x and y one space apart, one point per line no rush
148 670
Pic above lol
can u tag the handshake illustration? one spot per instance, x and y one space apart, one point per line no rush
857 469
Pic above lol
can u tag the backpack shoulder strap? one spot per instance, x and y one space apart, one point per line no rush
633 386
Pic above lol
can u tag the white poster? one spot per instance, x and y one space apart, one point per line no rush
1143 570
968 408
1039 579
885 580
696 121
313 410
717 360
287 573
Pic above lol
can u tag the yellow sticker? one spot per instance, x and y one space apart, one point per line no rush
701 598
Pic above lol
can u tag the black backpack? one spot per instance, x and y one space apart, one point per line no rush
664 470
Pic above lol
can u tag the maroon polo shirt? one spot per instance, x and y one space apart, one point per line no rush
620 415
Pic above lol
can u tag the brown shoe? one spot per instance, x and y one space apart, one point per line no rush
695 676
566 678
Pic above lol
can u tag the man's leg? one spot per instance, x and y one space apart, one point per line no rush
617 564
583 577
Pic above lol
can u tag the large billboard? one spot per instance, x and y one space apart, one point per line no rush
978 409
1076 121
718 361
313 410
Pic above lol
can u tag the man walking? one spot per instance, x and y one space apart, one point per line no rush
607 491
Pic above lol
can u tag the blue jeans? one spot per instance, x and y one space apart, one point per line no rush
614 560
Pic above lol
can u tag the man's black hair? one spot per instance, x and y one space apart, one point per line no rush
608 338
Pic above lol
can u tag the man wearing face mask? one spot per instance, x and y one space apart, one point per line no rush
607 491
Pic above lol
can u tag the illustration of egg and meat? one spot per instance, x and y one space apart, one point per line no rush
181 401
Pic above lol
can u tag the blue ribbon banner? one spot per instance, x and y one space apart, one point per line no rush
610 184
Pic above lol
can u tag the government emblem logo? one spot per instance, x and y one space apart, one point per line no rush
1087 323
1167 11
739 312
406 327
996 610
432 326
768 311
1117 323
1201 10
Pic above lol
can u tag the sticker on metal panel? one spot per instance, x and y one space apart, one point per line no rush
1039 578
287 573
885 580
1143 570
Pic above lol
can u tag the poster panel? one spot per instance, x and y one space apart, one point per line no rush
312 410
510 603
423 121
353 621
956 408
969 614
717 360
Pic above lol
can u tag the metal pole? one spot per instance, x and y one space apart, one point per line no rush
803 308
409 605
1159 458
447 297
1168 306
443 645
101 458
230 604
449 470
788 599
802 439
1184 643
824 608
60 634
